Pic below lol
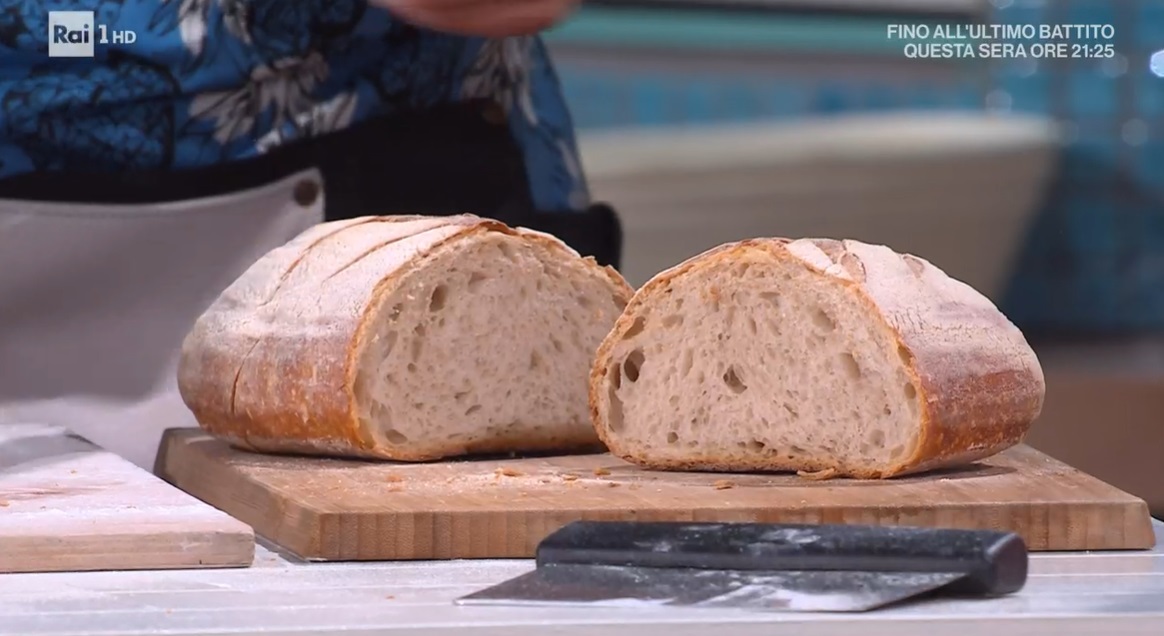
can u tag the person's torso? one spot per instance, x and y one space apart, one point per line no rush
210 81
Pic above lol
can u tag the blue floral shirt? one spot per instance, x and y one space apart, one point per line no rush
209 81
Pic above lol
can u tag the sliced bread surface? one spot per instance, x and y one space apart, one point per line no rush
406 338
823 356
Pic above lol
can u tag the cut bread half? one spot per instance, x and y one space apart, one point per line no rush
820 356
404 338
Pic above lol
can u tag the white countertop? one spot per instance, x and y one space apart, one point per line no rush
1067 593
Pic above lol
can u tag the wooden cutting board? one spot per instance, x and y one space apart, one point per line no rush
501 508
67 505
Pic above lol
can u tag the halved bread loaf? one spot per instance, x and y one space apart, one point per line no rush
406 338
812 355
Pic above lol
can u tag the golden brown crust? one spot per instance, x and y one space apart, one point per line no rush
289 386
978 396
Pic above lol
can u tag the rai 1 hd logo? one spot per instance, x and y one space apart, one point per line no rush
74 34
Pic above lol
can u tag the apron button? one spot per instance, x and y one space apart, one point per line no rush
306 192
493 113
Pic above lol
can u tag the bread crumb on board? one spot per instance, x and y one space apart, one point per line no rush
506 471
569 477
601 472
394 479
723 484
817 475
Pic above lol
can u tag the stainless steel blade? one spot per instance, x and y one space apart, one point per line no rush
792 591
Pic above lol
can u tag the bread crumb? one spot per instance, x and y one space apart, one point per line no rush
612 484
73 472
569 477
818 475
633 487
723 484
392 479
395 488
599 472
390 596
4 503
506 471
545 480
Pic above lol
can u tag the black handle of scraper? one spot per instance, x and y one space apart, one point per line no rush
993 563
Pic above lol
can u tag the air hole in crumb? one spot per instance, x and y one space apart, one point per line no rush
905 355
770 297
472 409
395 437
742 269
757 445
674 320
417 344
791 410
752 326
678 304
411 367
877 437
507 251
391 341
616 376
688 362
633 364
672 437
475 280
540 285
910 391
888 410
823 320
673 400
584 302
535 360
733 381
460 395
437 301
635 329
557 344
730 319
796 450
395 313
850 364
614 416
897 451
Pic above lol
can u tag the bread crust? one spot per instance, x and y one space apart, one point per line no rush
271 365
980 385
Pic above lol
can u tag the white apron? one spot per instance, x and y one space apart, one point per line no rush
96 299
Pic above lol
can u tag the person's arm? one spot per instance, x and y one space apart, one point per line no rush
486 18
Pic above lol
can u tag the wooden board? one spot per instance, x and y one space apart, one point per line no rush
66 505
501 508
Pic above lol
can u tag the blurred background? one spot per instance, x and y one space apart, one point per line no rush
1038 181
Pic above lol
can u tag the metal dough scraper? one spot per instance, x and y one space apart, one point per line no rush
767 567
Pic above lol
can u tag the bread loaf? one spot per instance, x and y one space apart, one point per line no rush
820 356
404 338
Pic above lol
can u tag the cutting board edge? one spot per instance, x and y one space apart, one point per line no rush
169 470
310 546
